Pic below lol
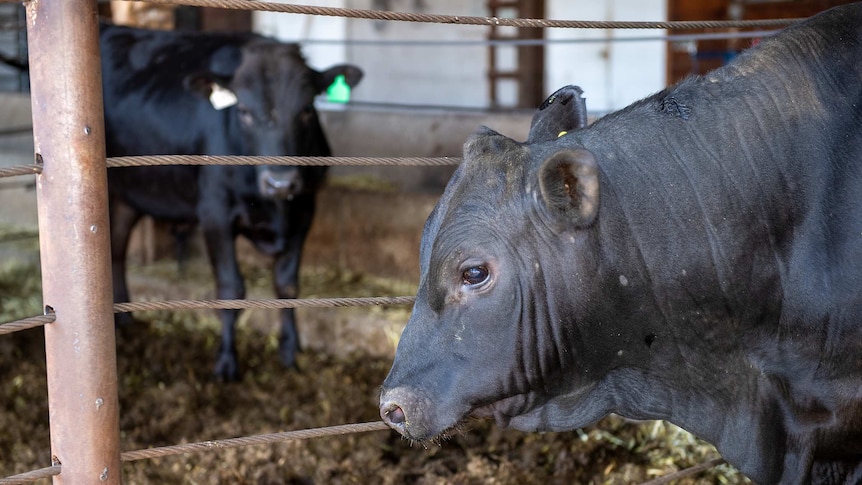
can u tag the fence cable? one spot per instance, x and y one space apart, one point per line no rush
271 303
471 20
31 476
20 170
285 436
143 161
26 323
138 306
253 440
235 160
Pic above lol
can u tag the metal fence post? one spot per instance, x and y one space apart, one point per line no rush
68 128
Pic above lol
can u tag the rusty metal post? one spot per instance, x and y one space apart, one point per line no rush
68 129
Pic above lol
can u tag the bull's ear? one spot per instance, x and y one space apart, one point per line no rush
569 183
563 111
352 76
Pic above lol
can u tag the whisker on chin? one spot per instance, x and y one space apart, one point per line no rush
459 429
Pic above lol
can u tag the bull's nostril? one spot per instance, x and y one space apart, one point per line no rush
394 415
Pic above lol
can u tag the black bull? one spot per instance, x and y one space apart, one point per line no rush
216 94
695 257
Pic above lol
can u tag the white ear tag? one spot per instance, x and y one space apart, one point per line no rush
222 98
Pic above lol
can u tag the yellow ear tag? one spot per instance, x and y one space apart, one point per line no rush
562 133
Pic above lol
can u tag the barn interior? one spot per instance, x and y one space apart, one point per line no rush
364 242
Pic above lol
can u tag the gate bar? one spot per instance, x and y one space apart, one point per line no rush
80 347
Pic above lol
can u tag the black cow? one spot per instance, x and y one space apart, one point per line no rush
695 257
216 94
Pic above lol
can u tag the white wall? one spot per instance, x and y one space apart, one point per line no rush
448 75
612 74
434 75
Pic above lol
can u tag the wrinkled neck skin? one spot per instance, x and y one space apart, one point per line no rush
651 344
710 288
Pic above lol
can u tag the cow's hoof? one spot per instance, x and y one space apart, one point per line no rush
227 368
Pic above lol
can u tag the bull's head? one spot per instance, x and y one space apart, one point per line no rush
483 338
270 91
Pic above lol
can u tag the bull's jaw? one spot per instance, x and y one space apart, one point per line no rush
565 412
502 411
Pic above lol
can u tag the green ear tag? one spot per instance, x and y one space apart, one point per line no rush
338 91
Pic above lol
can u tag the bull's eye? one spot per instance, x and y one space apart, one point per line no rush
475 275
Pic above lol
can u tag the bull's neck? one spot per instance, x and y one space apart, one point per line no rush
691 264
703 189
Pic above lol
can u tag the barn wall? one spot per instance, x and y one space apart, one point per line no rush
703 56
438 75
298 28
612 73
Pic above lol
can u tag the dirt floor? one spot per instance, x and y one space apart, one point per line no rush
167 397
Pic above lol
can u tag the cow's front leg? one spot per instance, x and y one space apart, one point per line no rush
122 219
286 274
299 213
229 286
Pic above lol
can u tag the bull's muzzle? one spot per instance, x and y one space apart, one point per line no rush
400 409
281 184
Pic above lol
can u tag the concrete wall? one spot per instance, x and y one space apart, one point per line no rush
412 133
